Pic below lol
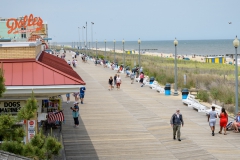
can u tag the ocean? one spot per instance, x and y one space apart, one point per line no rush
185 47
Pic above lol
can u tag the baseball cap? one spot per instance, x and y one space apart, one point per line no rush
75 103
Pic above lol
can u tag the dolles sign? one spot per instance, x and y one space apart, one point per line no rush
13 24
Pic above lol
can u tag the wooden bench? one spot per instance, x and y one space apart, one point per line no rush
194 91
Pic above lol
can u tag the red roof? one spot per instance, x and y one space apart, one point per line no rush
29 72
58 63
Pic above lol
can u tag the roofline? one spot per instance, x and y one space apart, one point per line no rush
58 89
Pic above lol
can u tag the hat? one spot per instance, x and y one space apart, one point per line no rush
75 103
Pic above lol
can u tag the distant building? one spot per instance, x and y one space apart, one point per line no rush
219 59
22 35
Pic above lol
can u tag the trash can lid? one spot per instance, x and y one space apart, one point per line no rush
185 90
168 85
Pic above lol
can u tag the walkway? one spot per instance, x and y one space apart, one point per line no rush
133 123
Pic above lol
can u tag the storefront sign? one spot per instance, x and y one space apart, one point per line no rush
11 106
13 24
31 129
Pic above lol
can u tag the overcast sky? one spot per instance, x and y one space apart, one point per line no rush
132 19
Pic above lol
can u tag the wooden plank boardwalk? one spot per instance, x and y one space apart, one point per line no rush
133 123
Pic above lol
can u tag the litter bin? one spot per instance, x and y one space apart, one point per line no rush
184 93
151 80
167 89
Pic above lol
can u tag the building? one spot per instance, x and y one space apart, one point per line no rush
23 33
28 69
219 59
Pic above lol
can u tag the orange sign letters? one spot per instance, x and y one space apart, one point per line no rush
14 24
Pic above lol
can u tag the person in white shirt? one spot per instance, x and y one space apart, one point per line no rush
119 81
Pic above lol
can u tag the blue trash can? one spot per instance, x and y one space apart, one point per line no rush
151 80
167 89
184 93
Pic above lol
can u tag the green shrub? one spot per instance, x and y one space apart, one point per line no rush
203 95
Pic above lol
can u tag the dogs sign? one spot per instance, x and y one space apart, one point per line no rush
16 26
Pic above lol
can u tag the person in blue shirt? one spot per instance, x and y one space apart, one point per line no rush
82 93
75 114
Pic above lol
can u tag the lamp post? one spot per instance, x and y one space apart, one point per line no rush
83 36
92 32
105 48
236 44
96 48
139 63
86 36
114 50
79 37
123 54
175 42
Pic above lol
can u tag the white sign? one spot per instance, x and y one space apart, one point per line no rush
31 129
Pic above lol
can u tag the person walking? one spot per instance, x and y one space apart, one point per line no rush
75 114
82 93
212 119
132 76
176 122
110 82
115 80
223 121
68 97
75 95
141 78
119 81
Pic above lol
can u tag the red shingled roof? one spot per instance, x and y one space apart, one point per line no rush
58 63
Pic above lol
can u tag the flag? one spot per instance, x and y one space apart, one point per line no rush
58 116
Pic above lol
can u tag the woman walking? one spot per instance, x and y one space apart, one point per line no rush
141 78
119 81
110 82
223 121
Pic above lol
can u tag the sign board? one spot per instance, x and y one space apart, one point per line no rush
11 106
20 26
31 129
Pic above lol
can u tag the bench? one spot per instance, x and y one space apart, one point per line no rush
154 85
199 107
160 89
218 109
189 99
195 91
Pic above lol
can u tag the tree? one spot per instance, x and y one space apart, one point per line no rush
2 81
40 146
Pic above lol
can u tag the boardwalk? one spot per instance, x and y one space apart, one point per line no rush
133 123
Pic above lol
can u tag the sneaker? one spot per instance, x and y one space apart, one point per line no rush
81 102
179 139
174 137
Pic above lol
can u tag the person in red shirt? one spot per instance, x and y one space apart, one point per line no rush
223 121
141 78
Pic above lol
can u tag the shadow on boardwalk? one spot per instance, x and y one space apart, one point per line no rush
76 141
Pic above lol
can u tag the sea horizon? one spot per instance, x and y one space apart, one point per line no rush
184 47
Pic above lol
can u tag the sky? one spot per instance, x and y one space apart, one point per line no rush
131 19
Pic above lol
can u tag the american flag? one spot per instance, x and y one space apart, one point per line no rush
58 116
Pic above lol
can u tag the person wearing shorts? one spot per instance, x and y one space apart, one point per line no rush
236 124
212 119
110 82
82 93
132 76
118 79
68 97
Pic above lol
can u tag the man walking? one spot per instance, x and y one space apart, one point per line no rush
75 113
82 93
212 119
176 122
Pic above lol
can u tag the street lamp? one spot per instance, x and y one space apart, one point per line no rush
236 44
92 32
86 36
96 48
114 50
83 36
79 37
175 42
123 54
139 63
105 48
